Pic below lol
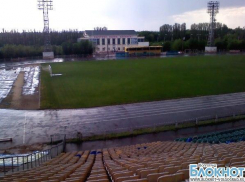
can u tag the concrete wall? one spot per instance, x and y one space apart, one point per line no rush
211 49
143 44
48 55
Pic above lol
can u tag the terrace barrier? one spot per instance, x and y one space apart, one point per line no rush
154 126
13 163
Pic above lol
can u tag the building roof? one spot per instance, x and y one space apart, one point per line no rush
144 47
110 32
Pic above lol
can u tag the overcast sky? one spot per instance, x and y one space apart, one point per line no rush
117 14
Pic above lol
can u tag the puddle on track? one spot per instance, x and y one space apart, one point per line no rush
11 64
7 79
31 80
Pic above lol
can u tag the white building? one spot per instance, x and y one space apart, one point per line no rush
112 40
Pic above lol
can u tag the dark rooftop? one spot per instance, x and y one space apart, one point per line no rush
110 32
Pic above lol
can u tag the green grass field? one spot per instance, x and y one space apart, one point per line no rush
101 83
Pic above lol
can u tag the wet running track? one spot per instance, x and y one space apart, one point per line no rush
28 127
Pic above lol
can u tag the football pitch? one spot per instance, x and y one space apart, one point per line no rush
102 83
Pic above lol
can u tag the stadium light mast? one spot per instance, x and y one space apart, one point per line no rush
46 6
213 10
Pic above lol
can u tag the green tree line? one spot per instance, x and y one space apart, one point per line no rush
222 45
35 38
14 44
177 37
67 48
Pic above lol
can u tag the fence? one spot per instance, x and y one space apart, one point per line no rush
155 126
28 161
86 56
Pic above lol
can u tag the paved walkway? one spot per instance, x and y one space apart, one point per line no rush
28 127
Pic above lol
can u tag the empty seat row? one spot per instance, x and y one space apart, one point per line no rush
147 162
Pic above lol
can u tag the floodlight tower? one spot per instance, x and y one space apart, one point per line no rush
213 10
45 6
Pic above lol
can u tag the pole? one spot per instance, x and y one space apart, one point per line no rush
12 161
23 163
4 166
107 49
45 6
27 162
51 137
182 45
31 160
18 163
38 159
35 159
64 144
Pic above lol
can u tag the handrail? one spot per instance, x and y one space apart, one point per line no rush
28 161
196 120
6 139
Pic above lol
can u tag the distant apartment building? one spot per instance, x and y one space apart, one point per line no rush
112 40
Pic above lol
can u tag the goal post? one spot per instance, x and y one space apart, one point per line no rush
50 70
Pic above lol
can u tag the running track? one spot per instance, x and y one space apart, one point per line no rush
28 127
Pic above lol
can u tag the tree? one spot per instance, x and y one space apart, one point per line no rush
234 45
191 44
16 51
177 45
167 46
221 44
82 47
67 48
150 36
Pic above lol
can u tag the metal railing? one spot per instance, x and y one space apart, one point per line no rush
154 126
20 162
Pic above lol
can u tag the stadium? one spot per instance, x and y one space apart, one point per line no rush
118 107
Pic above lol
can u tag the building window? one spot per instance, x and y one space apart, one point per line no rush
119 48
140 40
113 41
128 41
94 41
103 48
134 41
123 40
98 49
118 41
98 41
103 41
108 41
114 49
